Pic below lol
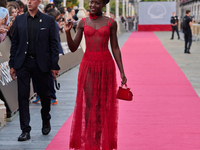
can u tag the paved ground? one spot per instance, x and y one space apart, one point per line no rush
189 63
66 97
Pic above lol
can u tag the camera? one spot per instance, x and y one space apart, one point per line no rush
192 16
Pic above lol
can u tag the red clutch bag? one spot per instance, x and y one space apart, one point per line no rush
124 93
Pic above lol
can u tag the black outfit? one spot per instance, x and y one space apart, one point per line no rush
174 19
34 52
187 34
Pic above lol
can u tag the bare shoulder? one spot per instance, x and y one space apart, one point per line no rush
114 24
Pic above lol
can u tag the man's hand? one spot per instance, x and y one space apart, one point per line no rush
55 73
13 73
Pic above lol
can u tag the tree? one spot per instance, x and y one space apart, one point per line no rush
112 7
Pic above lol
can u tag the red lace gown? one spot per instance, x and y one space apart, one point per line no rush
94 125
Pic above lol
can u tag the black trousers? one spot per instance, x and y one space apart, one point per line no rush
175 28
188 41
30 69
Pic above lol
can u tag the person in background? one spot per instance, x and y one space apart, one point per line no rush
4 20
188 22
41 8
3 3
13 13
71 13
174 24
49 6
62 12
25 8
15 5
56 14
87 12
21 7
75 15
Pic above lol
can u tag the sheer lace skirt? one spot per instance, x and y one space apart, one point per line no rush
94 125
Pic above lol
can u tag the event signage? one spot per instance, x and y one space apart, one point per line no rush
156 13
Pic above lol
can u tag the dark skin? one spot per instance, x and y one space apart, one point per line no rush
96 8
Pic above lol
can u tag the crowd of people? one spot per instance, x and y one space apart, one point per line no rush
9 10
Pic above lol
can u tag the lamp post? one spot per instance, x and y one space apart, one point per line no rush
117 9
81 13
108 10
123 8
64 3
127 1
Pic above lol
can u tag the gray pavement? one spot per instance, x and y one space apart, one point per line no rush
67 94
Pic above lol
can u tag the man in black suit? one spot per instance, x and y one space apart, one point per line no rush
34 53
174 23
187 23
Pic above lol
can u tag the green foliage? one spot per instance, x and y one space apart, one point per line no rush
86 5
72 3
112 7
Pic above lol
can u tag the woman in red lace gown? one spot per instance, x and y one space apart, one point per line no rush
94 125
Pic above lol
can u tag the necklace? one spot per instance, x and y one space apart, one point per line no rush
94 16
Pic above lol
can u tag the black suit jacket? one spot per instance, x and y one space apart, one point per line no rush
47 53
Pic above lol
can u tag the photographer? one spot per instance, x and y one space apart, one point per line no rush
187 23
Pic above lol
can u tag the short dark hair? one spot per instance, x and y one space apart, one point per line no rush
14 4
188 11
3 3
25 8
54 13
69 10
20 3
62 10
48 6
106 1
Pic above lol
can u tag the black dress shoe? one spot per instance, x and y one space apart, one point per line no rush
24 136
178 38
46 128
171 39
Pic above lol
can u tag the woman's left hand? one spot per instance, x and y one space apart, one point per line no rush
124 79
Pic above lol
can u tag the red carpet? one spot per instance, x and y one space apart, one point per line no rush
165 112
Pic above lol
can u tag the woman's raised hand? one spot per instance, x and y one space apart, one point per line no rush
68 26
